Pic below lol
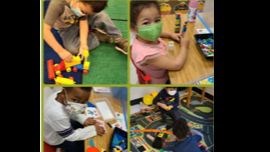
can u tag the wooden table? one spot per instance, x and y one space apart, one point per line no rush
196 65
103 142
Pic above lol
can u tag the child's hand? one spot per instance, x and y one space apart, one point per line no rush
99 129
162 105
167 108
83 48
65 55
175 36
170 107
89 121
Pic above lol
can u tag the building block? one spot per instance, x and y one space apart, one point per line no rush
63 81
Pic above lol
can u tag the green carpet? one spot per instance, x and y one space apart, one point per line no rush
117 9
108 66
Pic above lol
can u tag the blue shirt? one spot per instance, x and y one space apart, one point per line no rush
189 144
167 99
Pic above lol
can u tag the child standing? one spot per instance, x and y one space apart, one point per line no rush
74 19
148 49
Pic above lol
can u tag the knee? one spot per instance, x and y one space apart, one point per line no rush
102 15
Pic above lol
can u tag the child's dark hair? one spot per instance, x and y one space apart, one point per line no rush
88 89
97 5
136 6
180 128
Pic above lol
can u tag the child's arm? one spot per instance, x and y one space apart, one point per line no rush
174 36
52 42
84 29
169 61
164 106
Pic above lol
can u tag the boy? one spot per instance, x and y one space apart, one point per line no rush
168 102
186 140
65 125
73 18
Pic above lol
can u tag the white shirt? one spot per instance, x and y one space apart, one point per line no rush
57 126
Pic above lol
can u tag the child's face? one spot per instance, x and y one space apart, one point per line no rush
85 8
78 95
148 16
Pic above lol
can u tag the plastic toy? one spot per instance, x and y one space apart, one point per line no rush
192 12
165 8
207 46
182 6
201 5
86 66
75 65
92 149
75 61
177 23
50 68
184 29
54 69
64 81
148 99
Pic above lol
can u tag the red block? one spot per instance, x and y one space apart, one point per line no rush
50 68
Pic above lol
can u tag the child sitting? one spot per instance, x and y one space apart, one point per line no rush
149 52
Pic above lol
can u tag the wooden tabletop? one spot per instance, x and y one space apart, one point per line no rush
103 142
196 66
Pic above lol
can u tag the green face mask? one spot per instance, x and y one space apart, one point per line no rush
150 32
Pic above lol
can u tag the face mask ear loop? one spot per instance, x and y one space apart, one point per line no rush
65 101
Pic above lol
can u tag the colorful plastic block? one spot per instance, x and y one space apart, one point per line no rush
50 68
75 61
63 81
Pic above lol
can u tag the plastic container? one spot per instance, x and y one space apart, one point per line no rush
205 44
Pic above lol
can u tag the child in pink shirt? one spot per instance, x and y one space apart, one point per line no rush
149 51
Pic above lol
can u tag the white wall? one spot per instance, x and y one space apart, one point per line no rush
49 90
133 74
138 92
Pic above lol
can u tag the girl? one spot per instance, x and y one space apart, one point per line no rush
148 51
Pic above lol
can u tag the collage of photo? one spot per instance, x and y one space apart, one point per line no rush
128 76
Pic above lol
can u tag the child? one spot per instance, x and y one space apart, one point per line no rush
65 125
72 19
168 102
148 51
186 140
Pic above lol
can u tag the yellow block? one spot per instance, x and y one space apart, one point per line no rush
75 61
86 65
85 54
63 81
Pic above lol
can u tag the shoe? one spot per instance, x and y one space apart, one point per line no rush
121 44
103 36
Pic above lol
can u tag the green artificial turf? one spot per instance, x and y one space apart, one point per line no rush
109 66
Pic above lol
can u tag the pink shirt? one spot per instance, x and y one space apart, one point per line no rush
142 52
